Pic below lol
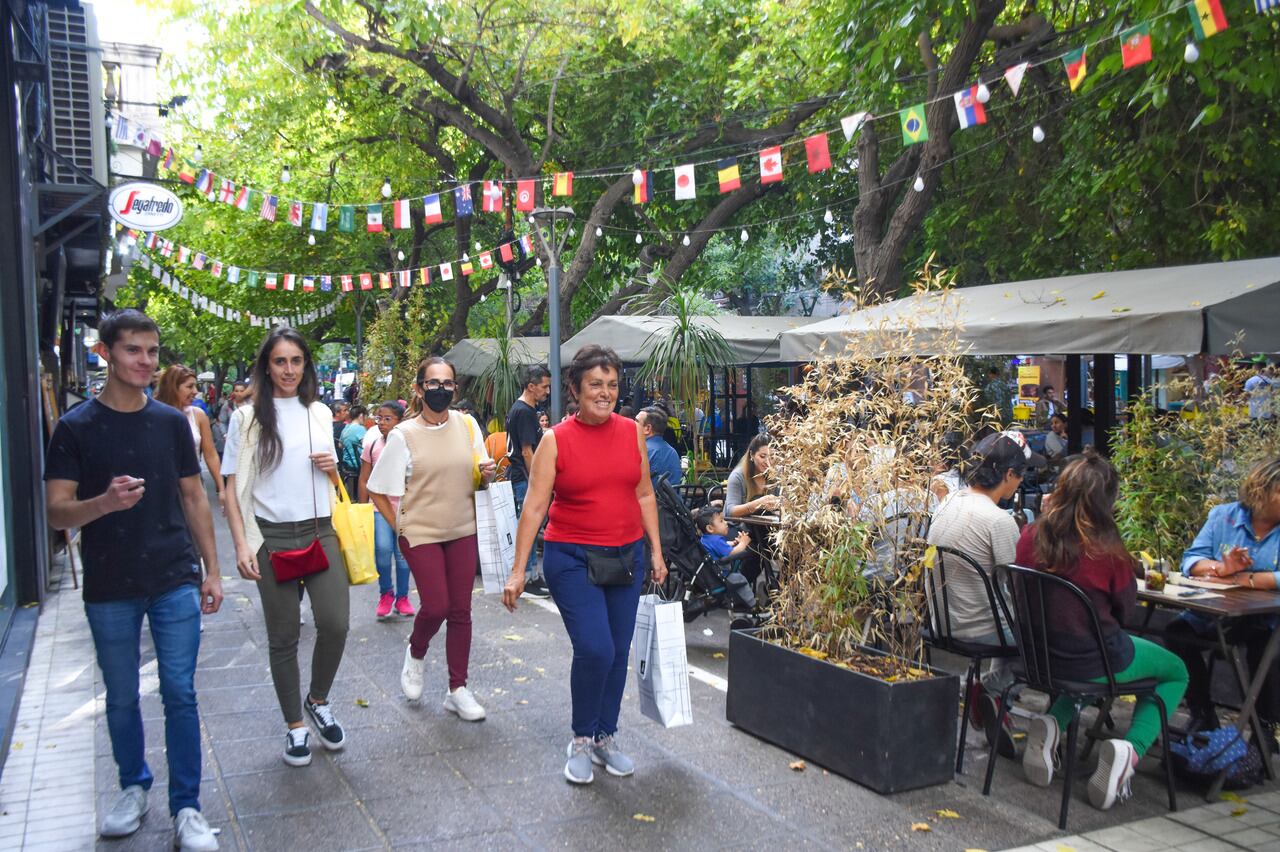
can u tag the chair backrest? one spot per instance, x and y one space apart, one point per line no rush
1042 600
937 595
716 493
900 538
694 496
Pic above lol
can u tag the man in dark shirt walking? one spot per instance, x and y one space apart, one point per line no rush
523 434
123 468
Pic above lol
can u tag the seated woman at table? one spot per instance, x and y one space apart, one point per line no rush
1237 546
746 493
1076 537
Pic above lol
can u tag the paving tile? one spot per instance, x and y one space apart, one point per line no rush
1209 844
1249 838
343 827
1171 832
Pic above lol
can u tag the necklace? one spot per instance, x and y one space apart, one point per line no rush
431 422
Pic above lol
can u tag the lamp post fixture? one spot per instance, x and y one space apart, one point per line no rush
552 227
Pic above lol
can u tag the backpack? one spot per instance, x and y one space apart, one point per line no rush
1201 756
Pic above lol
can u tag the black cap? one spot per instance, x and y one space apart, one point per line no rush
1002 450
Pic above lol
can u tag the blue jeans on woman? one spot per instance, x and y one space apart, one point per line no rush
600 621
175 631
384 550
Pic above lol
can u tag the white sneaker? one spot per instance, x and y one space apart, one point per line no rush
411 676
1111 780
191 833
462 702
126 813
1040 758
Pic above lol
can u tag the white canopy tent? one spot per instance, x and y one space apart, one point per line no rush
1210 308
472 355
753 341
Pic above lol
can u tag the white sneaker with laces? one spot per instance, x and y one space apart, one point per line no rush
1117 760
126 813
191 833
411 677
462 702
1040 758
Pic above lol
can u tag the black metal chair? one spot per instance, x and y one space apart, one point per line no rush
938 633
1031 591
716 493
694 496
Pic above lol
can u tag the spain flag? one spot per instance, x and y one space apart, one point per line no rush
562 184
727 171
1207 18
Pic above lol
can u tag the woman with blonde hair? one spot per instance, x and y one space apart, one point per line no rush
177 389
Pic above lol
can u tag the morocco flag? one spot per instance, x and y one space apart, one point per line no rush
525 195
1135 45
771 164
817 152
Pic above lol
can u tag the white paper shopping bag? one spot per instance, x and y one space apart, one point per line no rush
662 668
496 534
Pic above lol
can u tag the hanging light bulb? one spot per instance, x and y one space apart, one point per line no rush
198 154
1037 134
639 239
465 257
538 261
918 186
386 187
686 239
400 255
637 177
285 177
829 217
530 218
984 94
311 239
477 245
744 236
599 231
573 231
1191 53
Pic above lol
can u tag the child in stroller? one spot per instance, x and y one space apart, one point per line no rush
715 541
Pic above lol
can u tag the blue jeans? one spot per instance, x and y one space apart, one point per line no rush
175 631
384 550
600 621
532 571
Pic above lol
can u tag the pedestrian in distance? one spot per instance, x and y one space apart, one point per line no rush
123 469
434 461
603 510
524 431
279 499
392 596
351 442
177 389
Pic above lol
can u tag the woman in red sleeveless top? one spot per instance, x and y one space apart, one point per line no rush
594 554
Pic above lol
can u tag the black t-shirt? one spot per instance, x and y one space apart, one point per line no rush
145 550
522 431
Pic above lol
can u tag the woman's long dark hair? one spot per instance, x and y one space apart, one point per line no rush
1080 521
415 402
264 404
748 466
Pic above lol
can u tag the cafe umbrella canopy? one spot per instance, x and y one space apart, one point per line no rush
753 341
472 355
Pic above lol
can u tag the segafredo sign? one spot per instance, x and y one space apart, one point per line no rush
145 206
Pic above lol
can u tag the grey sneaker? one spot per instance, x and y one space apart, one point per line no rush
126 814
191 833
577 769
1040 756
605 752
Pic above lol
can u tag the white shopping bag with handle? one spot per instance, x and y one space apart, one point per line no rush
662 668
496 534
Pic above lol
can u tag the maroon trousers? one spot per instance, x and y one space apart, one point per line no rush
444 573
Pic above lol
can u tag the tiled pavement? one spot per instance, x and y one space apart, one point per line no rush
413 776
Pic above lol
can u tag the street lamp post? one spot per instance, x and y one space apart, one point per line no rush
552 227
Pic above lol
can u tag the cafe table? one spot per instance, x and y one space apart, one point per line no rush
1222 605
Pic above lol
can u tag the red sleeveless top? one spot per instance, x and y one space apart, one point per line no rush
597 471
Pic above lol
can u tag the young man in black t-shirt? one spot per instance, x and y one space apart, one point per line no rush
523 434
123 468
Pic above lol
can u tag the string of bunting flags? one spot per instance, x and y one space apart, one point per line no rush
1206 17
170 281
184 256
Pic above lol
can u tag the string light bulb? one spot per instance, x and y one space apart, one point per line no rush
285 177
829 217
477 245
400 255
311 239
639 239
198 155
686 240
386 187
1191 53
984 94
918 186
637 177
599 231
744 236
538 261
1037 134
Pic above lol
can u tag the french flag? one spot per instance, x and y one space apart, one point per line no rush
969 109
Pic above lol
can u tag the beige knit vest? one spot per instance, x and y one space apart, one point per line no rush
439 501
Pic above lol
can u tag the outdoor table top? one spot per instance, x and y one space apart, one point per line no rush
1231 602
760 520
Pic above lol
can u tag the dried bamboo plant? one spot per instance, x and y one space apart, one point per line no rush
866 426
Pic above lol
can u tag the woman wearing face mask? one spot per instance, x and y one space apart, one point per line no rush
177 389
432 461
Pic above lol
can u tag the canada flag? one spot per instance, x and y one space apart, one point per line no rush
771 164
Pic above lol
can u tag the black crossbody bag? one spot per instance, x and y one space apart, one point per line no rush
610 566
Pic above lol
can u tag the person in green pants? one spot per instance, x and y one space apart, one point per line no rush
1076 537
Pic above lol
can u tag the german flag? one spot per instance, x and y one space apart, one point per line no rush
1076 68
1207 18
727 170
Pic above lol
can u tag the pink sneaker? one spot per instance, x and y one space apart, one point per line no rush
403 607
384 605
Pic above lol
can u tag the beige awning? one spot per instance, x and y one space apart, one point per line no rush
1172 310
752 340
472 355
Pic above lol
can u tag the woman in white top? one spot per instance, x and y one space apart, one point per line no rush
177 388
282 474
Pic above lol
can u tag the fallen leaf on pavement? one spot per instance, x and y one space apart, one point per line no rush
643 818
362 702
513 637
1232 797
1120 310
539 670
947 813
1098 295
921 826
522 701
16 745
521 679
718 655
797 765
975 850
1240 812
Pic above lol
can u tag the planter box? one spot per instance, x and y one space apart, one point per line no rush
886 736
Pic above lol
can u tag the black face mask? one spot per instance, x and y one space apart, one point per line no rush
437 400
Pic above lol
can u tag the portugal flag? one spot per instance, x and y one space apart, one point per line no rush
1135 45
1076 66
1207 18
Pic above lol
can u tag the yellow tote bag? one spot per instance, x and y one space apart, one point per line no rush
353 522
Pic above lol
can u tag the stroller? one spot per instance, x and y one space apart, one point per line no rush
694 578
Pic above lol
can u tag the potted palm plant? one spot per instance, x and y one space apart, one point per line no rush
499 382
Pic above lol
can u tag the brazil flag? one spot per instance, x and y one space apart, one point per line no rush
914 128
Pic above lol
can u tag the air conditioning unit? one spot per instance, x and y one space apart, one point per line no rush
76 110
